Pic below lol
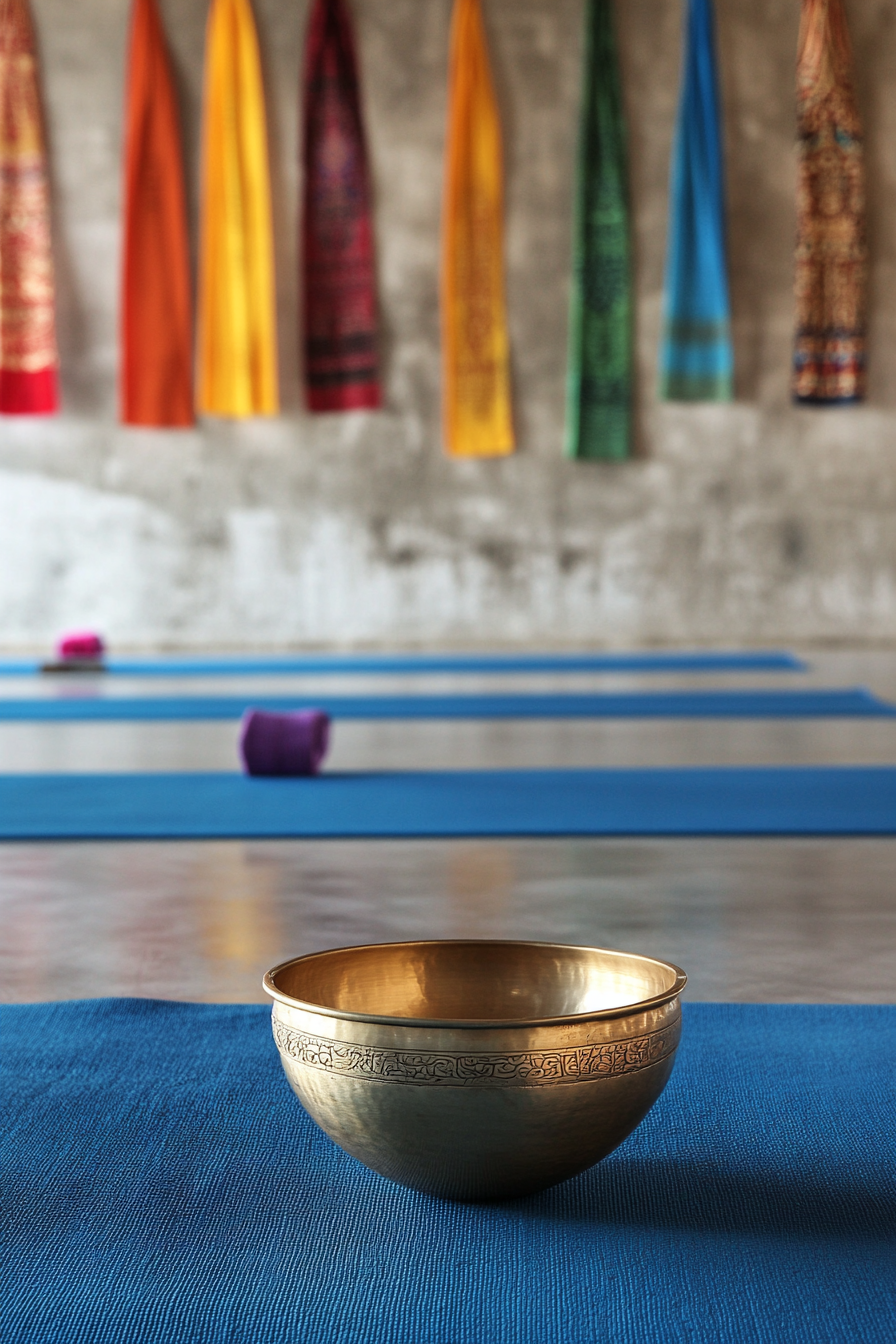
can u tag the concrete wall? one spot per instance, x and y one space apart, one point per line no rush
743 523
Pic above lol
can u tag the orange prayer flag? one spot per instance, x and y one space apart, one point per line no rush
475 354
157 319
237 340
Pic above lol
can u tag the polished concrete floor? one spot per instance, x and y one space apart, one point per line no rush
751 920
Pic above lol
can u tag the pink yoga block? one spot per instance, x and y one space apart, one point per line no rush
80 644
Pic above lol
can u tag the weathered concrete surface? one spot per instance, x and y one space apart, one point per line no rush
750 522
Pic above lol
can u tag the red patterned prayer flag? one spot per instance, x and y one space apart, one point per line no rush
341 328
28 359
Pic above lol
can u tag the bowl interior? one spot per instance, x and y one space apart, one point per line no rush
485 981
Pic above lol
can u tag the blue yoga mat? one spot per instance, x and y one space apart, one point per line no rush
317 664
163 1186
757 800
850 702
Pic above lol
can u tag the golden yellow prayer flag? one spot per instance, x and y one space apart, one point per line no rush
476 383
237 355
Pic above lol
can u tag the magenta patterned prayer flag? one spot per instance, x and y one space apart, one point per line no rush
341 335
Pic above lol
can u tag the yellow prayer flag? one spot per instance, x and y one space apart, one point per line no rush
476 383
237 354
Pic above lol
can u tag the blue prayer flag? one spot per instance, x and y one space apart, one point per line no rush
696 360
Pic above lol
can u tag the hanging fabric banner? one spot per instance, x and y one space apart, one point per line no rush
28 359
156 318
475 346
237 345
341 358
697 363
831 249
598 418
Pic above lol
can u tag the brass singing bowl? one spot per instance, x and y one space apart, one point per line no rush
476 1070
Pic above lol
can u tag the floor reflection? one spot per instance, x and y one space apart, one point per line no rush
235 892
750 920
786 920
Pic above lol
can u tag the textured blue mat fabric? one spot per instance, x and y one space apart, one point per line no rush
163 1186
850 702
316 664
756 800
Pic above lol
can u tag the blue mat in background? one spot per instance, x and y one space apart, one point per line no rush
317 664
849 702
163 1186
752 800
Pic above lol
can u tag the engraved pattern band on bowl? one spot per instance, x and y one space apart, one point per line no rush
538 1068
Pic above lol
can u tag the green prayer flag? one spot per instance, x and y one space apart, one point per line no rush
599 413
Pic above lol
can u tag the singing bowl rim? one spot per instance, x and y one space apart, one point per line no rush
475 1023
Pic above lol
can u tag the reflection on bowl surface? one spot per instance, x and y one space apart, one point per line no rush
472 981
476 1070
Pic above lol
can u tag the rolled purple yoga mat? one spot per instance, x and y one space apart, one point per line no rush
284 744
